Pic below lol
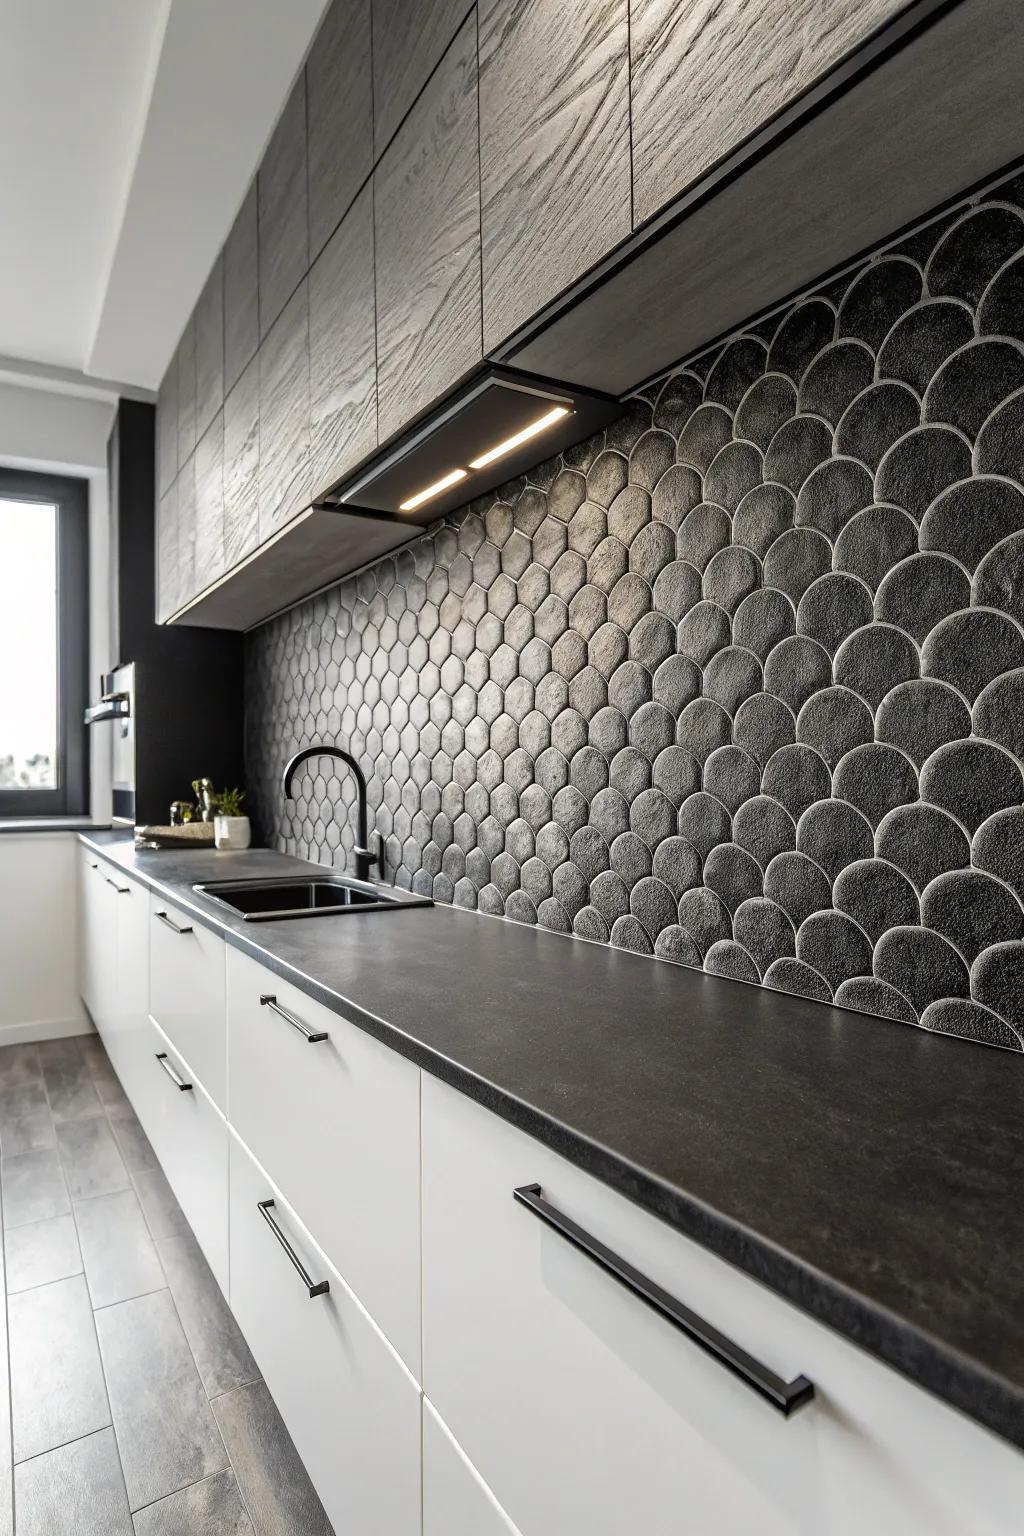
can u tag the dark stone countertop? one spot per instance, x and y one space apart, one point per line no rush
867 1171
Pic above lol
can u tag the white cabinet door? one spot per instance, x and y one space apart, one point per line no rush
190 1137
186 992
585 1410
350 1405
127 1039
456 1501
336 1123
97 938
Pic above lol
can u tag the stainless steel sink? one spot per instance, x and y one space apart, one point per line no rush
264 901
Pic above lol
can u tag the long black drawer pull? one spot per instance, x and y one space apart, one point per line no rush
179 1082
786 1396
122 890
172 926
315 1288
311 1036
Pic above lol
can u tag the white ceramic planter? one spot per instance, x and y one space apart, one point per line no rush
232 833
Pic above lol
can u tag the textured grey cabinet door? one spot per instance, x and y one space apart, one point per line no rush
167 552
185 552
427 219
167 428
339 108
209 555
210 349
241 291
708 73
342 348
284 215
241 466
284 416
186 366
554 149
409 36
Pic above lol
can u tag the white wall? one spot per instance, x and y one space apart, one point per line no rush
39 937
66 432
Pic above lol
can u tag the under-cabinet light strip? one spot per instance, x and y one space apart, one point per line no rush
497 452
432 490
500 449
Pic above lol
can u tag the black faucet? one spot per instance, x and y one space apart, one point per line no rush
366 858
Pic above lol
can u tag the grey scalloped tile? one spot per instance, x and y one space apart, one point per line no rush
872 542
878 297
922 339
1001 311
795 976
763 827
835 377
869 995
833 722
970 1021
972 251
921 465
922 965
797 885
707 431
923 714
877 895
768 403
802 333
627 694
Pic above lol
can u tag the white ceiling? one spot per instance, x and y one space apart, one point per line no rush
129 132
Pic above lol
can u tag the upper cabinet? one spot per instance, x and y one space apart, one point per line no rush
408 40
210 349
554 149
342 348
186 371
427 221
167 429
708 73
444 173
241 291
283 212
339 109
284 416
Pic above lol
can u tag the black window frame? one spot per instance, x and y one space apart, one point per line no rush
70 495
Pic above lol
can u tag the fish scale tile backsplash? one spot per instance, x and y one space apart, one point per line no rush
739 682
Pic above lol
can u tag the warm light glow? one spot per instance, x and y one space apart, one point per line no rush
432 490
520 437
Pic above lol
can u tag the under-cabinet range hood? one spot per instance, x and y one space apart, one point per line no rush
496 427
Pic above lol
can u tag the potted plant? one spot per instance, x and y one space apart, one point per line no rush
231 829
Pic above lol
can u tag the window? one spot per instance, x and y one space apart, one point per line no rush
44 641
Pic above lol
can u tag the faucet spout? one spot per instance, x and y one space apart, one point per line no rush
367 859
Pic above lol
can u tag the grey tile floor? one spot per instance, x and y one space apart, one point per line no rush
130 1404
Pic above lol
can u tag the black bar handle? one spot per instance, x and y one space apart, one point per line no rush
179 1082
786 1396
311 1036
315 1288
172 926
122 890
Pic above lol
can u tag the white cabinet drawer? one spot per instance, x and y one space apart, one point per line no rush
350 1405
190 1137
336 1125
186 991
128 1035
96 938
456 1502
585 1410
